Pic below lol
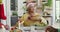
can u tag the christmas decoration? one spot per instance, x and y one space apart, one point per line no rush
2 15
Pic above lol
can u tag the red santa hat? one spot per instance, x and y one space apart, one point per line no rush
2 15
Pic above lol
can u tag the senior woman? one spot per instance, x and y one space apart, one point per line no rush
31 17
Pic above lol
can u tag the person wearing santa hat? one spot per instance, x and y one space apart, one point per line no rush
2 17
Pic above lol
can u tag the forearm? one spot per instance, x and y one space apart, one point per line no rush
36 19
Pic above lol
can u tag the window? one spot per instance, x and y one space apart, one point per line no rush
13 5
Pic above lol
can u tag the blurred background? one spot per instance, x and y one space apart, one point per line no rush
48 9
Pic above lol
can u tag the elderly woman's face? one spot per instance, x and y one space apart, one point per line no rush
32 8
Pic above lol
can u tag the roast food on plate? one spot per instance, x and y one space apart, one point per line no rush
41 24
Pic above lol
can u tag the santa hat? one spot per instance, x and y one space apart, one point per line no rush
2 15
